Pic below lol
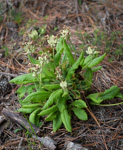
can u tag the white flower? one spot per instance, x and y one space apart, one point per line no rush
63 84
26 47
91 51
65 33
29 48
40 58
34 74
52 40
59 76
33 34
58 73
38 68
44 59
32 48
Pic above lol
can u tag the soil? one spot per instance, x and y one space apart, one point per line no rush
104 128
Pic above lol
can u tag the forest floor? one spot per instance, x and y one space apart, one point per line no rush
91 23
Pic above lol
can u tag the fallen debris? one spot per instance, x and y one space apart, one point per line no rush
74 146
47 142
15 117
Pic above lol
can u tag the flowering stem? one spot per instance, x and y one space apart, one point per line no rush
40 80
54 56
73 47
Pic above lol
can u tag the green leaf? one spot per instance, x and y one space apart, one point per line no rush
24 79
34 117
47 111
96 61
25 89
82 61
74 67
21 91
59 49
57 122
30 88
59 45
51 87
50 66
61 104
80 113
37 121
58 57
120 96
66 119
96 68
68 53
31 105
53 97
79 104
48 73
88 75
65 93
87 61
110 93
27 110
107 94
37 97
32 60
51 116
95 98
16 130
64 60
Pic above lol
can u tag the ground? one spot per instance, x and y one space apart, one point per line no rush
87 21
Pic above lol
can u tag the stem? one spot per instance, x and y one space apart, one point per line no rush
54 57
109 104
73 48
93 116
40 80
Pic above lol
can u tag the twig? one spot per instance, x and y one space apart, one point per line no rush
20 143
77 12
93 116
8 74
46 141
15 117
43 9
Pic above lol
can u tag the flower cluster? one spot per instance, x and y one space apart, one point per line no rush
65 33
63 84
43 59
59 76
36 70
58 73
91 51
33 35
52 40
29 48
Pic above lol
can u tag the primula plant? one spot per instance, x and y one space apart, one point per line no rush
58 84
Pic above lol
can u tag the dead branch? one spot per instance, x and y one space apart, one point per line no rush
8 74
15 117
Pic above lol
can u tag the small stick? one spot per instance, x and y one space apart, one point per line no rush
77 12
8 74
93 116
20 143
15 117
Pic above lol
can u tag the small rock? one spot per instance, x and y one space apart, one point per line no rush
73 146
